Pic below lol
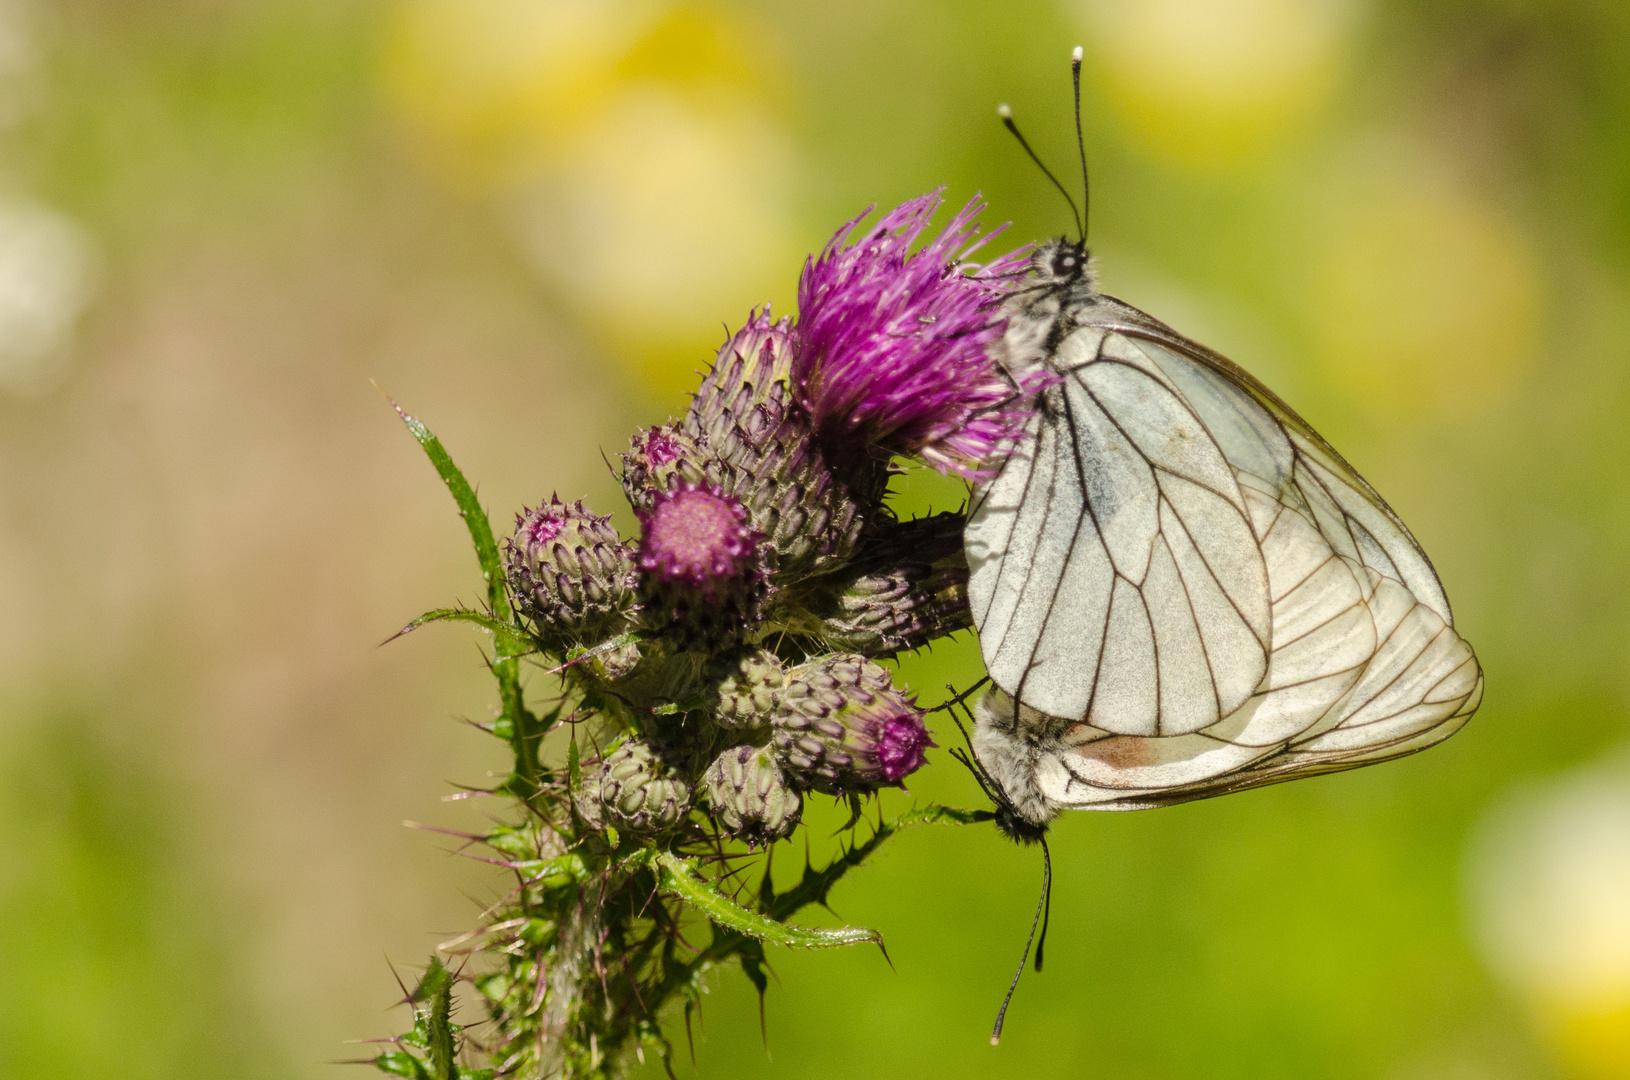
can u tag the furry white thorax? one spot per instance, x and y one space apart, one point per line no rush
1012 748
1047 306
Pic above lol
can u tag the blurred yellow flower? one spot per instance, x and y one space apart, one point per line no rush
1421 298
634 146
1549 895
491 88
1207 84
666 223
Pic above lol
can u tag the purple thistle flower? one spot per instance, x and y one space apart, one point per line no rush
696 538
891 349
660 445
536 528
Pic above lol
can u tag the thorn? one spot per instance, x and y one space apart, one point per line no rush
409 824
407 997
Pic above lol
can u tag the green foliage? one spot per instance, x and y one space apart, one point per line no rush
434 1035
114 959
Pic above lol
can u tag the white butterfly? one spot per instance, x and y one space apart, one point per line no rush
1180 588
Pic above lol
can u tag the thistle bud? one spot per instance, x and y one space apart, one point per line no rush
747 696
747 415
569 572
663 458
749 386
635 791
842 727
750 795
700 559
908 585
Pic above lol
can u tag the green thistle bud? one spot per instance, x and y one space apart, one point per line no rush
908 585
750 384
747 696
569 572
635 791
750 795
842 727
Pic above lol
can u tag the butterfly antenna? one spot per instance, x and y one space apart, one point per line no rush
1042 906
972 764
1006 114
1047 898
970 758
1081 144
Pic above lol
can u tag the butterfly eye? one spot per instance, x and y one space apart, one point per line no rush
1066 263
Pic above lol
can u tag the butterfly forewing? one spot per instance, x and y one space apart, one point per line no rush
1192 593
1116 577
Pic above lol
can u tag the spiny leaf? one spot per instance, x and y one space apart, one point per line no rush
437 981
514 643
436 988
815 885
523 726
401 1063
547 873
469 508
679 878
934 814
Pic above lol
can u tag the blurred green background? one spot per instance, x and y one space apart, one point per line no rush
530 221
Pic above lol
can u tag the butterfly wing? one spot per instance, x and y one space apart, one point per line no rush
1360 659
1116 579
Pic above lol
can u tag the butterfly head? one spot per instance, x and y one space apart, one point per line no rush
1016 828
1063 264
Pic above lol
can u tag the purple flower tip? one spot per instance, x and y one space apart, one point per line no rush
537 527
696 536
657 445
900 745
892 346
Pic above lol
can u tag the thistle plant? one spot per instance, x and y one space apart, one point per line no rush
703 681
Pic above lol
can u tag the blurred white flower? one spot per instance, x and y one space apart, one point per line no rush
665 221
46 279
1548 893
